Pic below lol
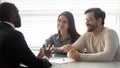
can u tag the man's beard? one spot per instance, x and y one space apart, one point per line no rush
91 28
18 23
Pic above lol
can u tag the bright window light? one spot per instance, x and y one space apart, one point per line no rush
39 17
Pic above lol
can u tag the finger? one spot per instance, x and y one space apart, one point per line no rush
41 52
69 54
49 47
72 50
67 47
41 49
44 48
66 50
73 53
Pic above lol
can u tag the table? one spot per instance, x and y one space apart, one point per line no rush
88 65
83 64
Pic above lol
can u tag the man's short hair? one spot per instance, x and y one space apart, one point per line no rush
5 10
98 13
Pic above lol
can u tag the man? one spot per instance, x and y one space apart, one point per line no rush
101 43
13 47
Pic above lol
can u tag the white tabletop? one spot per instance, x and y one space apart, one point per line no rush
88 65
82 64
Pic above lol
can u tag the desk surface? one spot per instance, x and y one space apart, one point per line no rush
88 65
83 64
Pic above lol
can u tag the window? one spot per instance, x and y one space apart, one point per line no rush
39 17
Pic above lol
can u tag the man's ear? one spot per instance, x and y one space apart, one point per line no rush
12 16
100 21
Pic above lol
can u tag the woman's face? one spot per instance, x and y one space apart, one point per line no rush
62 23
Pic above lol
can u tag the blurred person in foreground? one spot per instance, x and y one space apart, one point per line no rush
13 47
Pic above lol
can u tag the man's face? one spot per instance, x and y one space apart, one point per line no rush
91 22
17 19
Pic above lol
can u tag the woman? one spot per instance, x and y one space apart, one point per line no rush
67 33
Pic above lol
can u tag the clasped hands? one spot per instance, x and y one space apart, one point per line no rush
45 51
71 52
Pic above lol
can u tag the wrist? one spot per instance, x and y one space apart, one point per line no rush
59 49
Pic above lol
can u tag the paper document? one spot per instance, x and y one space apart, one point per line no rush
61 60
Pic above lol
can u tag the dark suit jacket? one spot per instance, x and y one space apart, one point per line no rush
14 50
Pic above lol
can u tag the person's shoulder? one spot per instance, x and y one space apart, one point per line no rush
109 30
54 35
87 34
16 32
12 33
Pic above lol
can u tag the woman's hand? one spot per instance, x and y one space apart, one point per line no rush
66 48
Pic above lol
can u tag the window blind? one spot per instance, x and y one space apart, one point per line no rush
39 17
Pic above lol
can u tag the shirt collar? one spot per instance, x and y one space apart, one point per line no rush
9 23
59 38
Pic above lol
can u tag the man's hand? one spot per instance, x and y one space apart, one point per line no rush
45 51
73 54
41 53
48 51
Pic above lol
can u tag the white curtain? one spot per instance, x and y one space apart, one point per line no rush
39 17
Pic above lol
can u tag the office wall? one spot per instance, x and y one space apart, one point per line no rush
39 17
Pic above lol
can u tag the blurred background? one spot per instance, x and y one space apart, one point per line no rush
39 17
